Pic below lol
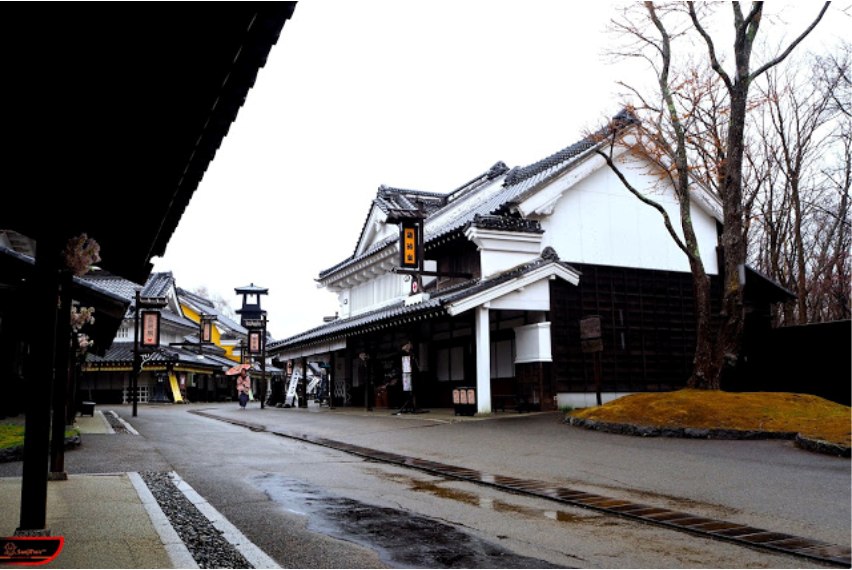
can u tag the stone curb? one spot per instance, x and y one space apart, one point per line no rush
17 453
824 447
816 446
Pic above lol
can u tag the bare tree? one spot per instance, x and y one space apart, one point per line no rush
219 302
693 148
801 150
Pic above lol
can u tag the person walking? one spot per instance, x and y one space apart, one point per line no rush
243 387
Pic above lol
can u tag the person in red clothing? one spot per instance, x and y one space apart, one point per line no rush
243 387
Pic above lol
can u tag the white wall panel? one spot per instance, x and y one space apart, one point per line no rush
599 221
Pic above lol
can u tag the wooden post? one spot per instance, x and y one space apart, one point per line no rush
134 373
591 340
60 386
42 340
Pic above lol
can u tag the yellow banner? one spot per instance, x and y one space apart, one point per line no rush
175 388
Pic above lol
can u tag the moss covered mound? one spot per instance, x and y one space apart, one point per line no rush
810 416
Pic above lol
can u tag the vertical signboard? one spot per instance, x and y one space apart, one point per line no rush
409 248
406 373
150 328
206 331
254 342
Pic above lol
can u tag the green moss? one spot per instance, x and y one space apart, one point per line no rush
813 417
12 435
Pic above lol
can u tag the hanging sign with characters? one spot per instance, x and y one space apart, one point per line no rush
254 342
409 246
150 328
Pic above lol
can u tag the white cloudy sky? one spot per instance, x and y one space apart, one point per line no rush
416 95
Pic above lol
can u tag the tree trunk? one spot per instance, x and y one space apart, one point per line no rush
729 342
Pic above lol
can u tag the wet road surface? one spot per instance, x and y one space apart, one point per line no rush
821 551
402 539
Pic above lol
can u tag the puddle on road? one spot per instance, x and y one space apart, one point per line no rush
436 489
401 538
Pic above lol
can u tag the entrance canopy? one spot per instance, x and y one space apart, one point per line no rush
515 289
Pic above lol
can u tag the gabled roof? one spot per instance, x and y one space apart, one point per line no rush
440 302
210 309
495 191
399 204
158 285
389 198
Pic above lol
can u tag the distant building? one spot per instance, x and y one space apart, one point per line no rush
181 368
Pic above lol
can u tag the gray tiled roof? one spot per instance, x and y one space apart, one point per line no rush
121 354
158 284
113 283
494 191
398 203
433 306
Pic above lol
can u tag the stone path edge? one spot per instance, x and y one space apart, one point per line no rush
808 444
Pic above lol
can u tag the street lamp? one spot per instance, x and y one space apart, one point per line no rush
205 331
257 345
150 337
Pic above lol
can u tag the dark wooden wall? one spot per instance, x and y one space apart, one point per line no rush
648 326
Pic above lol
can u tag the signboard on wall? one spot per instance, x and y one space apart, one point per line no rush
590 334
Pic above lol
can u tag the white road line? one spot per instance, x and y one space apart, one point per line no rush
177 551
126 425
257 557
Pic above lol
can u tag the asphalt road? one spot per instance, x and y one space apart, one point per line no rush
309 506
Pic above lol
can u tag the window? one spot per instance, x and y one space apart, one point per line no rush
503 359
450 364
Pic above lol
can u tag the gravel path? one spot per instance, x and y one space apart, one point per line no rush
202 539
116 424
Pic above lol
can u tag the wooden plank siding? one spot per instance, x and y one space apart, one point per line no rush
647 322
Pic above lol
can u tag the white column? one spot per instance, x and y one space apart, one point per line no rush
483 361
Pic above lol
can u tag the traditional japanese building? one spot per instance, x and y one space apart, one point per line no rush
514 259
182 368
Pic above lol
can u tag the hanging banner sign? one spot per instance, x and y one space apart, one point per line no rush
207 332
254 342
150 328
291 389
406 373
409 248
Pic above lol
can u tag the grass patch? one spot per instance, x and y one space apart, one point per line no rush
12 435
811 416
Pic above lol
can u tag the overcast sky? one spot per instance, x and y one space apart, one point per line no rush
421 96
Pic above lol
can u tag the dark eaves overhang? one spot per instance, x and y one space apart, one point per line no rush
18 270
114 112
